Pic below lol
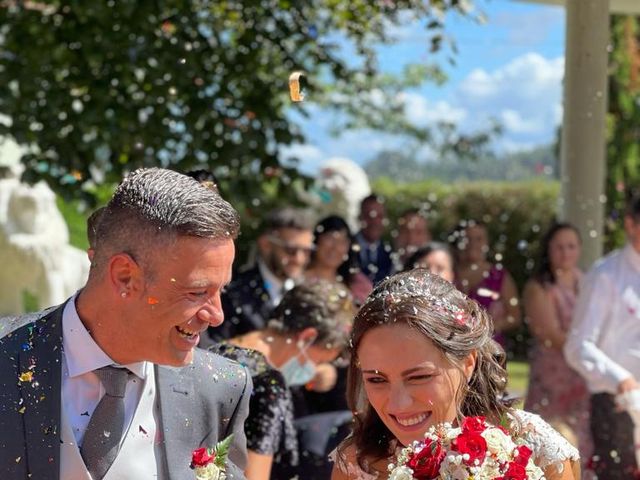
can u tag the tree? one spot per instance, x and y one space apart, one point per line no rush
96 89
623 146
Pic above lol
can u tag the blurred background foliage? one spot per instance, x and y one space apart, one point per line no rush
96 89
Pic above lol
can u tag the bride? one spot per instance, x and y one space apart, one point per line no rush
422 354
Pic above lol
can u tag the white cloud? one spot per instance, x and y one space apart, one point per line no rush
524 78
422 111
514 122
525 95
310 156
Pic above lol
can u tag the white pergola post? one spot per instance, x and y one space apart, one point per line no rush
583 160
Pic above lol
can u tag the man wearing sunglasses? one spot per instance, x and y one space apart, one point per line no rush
284 247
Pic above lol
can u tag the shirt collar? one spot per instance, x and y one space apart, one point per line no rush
272 283
82 353
633 256
366 244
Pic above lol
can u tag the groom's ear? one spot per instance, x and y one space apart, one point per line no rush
125 274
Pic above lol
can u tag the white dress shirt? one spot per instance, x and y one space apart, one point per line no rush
604 340
274 286
81 388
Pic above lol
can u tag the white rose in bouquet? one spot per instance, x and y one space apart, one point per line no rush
401 473
498 443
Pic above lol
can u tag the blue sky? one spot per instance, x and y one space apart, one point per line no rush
509 68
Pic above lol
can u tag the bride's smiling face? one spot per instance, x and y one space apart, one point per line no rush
408 381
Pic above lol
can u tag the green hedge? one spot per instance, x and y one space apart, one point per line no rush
516 214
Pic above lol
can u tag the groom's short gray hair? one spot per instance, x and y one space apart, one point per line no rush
153 207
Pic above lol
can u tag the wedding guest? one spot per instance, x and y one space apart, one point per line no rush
488 284
412 234
435 257
375 254
604 346
422 354
310 326
556 392
110 383
284 246
334 258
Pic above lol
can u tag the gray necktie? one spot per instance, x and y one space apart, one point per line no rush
102 438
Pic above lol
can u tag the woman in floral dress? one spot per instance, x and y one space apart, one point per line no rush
556 392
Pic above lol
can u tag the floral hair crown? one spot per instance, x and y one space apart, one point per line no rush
420 287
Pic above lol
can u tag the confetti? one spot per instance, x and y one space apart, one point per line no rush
297 95
26 377
152 301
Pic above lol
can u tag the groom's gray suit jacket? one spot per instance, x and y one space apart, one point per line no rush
200 404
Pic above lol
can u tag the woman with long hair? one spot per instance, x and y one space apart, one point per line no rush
556 391
335 259
422 354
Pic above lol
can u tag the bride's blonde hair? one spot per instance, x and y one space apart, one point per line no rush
455 324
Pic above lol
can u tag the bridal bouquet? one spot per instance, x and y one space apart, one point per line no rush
473 451
209 463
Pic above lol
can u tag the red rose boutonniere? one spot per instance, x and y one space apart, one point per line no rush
209 463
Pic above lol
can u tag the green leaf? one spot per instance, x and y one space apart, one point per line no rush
222 451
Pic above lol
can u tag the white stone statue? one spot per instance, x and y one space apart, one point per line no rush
35 255
340 186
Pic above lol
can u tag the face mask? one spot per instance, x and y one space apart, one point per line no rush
296 373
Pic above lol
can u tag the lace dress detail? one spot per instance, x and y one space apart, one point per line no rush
548 446
353 470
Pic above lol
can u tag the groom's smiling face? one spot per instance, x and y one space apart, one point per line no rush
180 299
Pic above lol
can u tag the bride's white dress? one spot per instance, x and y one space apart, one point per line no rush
548 446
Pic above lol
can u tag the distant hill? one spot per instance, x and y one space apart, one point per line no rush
406 167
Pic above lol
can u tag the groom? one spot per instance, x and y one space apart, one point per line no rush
109 384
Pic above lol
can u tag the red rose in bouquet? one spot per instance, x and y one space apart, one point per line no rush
426 463
474 424
524 454
472 444
475 449
202 457
514 472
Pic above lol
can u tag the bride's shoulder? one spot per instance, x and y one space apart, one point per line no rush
346 465
548 445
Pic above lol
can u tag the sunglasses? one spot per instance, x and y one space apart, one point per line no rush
288 249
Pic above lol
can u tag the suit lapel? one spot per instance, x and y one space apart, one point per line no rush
177 405
40 380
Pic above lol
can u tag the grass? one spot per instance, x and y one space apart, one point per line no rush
518 372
